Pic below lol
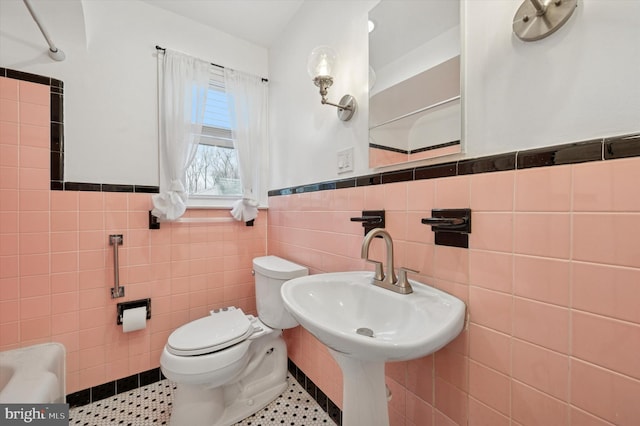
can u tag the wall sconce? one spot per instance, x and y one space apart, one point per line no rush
536 19
320 66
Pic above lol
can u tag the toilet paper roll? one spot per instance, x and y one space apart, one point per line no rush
134 319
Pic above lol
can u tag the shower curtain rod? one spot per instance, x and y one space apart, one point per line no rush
54 53
266 80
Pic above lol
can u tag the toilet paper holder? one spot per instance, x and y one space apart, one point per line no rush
133 304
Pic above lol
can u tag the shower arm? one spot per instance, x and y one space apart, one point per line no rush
55 53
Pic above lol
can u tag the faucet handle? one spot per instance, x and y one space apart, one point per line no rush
379 275
402 277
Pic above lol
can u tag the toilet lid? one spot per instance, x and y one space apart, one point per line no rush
209 334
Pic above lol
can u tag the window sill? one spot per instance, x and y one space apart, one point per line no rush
214 204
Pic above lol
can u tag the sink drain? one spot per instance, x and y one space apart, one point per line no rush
365 331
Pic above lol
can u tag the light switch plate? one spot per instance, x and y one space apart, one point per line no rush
345 160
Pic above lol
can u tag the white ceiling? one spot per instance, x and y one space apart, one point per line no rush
402 24
257 21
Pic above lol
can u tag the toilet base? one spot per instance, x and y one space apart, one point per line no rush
262 381
196 406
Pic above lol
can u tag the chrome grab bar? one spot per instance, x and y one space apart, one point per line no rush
117 290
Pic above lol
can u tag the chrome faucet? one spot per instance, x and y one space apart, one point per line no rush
389 281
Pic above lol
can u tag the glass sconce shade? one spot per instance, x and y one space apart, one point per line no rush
321 62
320 67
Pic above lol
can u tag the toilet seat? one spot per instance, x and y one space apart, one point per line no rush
215 332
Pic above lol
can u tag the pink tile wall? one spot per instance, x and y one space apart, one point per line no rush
56 266
383 157
551 281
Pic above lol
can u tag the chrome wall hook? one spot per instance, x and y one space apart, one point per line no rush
536 19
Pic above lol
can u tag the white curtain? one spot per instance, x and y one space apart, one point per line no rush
248 110
184 82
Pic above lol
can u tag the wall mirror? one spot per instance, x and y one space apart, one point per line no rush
414 81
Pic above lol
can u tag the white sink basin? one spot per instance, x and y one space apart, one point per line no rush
342 309
364 326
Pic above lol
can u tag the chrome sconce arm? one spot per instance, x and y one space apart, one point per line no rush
346 107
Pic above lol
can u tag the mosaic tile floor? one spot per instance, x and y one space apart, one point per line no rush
151 405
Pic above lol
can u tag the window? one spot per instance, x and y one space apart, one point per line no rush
213 173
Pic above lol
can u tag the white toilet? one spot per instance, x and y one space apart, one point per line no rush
229 365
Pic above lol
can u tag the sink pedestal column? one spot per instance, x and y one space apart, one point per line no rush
365 392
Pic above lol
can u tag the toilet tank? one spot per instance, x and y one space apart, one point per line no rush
270 273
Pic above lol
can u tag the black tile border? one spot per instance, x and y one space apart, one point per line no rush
79 398
329 407
388 148
128 383
435 171
414 151
81 186
57 140
399 176
621 147
432 147
103 391
579 152
32 78
114 387
366 180
103 187
609 148
494 163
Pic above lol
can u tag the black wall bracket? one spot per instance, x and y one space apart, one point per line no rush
370 219
154 223
452 226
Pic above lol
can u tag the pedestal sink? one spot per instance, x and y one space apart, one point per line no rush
365 326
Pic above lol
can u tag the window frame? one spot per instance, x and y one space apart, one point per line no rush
219 134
